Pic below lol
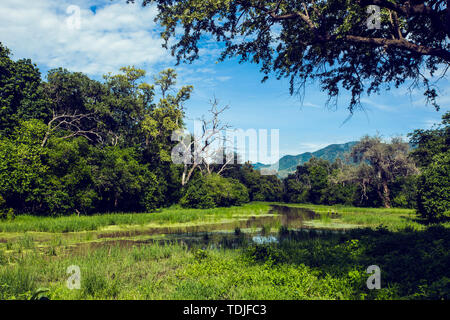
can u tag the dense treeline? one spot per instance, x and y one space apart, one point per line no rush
71 144
377 173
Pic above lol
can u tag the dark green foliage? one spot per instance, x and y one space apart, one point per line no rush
197 196
214 191
296 39
414 264
22 169
295 191
120 178
339 194
309 183
404 192
21 97
432 153
5 213
260 187
318 176
71 181
265 253
429 143
433 198
73 145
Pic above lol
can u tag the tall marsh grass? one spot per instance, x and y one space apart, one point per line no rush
75 223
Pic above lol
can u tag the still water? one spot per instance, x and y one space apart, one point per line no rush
280 222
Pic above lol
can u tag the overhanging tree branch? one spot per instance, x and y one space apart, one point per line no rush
400 43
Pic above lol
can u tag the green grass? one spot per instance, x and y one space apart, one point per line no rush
168 216
169 272
393 218
414 265
414 258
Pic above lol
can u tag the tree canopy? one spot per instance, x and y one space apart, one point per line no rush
72 144
432 154
326 40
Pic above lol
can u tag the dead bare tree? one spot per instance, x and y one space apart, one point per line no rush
204 149
72 123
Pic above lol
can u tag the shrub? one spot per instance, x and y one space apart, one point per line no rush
152 195
404 192
5 213
265 254
197 196
433 196
214 191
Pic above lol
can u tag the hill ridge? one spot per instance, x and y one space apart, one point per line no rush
289 163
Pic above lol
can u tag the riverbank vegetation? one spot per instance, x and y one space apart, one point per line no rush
87 179
74 145
303 265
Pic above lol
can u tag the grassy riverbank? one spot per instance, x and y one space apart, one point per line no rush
413 264
392 218
167 216
414 259
176 216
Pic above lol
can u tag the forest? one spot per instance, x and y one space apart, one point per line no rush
74 145
108 193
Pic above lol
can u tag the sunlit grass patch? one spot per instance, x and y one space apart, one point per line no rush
165 216
393 218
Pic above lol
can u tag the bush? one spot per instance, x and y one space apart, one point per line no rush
433 196
6 213
214 191
265 254
197 196
404 192
152 195
339 194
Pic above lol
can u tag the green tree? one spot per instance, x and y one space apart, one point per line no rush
329 41
121 180
71 172
318 176
167 115
295 191
433 201
214 191
381 164
21 96
309 182
432 154
260 187
76 103
22 170
429 143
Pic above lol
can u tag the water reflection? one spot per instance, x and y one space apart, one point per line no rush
282 222
264 240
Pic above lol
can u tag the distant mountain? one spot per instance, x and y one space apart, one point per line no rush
288 164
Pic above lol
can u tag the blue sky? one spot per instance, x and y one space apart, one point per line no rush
113 34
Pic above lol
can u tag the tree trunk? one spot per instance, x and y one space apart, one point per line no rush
386 196
116 201
183 177
44 141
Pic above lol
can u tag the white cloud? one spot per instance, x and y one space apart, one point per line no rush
224 78
310 105
311 147
377 105
116 35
